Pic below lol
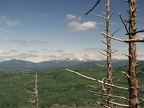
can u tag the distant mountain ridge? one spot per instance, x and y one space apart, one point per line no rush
57 63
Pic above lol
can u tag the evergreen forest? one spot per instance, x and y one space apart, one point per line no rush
58 88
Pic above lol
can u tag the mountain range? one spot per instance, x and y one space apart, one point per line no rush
56 63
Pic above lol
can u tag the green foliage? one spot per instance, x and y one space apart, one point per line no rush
57 87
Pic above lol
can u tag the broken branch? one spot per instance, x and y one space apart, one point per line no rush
118 104
104 94
102 104
99 81
98 1
135 32
123 23
126 74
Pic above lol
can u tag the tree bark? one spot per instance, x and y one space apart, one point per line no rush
109 60
36 91
133 82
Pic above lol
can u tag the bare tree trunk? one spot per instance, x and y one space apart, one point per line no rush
36 92
109 60
133 82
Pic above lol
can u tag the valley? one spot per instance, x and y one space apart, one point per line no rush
58 87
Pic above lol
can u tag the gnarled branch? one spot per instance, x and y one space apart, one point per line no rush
118 104
125 40
135 32
107 95
123 23
99 81
103 104
98 1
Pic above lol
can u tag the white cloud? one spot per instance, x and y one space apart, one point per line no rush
140 35
14 51
119 57
66 56
19 56
25 55
4 20
72 17
92 49
140 56
3 52
31 51
77 26
23 42
59 51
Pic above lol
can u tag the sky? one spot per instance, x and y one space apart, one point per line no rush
42 30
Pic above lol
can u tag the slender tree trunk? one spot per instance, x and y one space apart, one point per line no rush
133 82
36 92
109 60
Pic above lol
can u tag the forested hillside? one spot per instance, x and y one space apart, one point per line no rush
56 87
21 64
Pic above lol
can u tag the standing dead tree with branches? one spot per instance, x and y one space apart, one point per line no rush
35 93
132 79
132 72
108 51
109 91
109 58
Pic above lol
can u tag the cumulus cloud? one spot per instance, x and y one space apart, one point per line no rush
3 52
119 57
72 17
66 56
59 51
19 56
32 51
25 55
4 20
92 49
24 42
140 35
14 51
140 56
76 24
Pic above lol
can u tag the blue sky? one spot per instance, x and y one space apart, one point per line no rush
41 30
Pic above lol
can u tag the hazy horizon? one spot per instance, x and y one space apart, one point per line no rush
42 30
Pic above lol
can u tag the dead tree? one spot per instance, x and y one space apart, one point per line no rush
107 16
109 58
105 94
132 72
35 93
108 51
132 80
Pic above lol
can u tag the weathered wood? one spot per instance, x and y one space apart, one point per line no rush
98 1
135 32
125 40
36 91
99 81
109 58
133 82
